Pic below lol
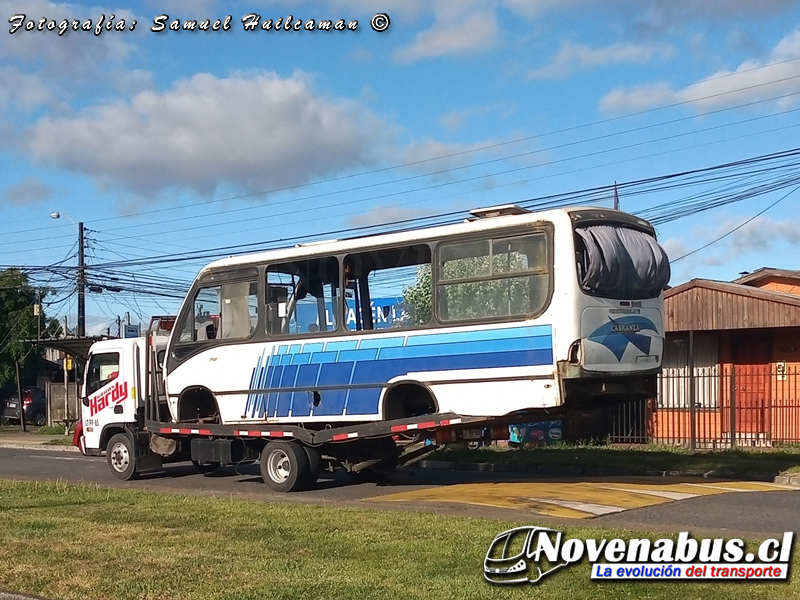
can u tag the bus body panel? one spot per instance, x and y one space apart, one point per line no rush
622 339
276 382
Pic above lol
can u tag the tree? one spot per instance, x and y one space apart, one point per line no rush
18 324
417 299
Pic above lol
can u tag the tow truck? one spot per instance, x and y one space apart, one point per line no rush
124 415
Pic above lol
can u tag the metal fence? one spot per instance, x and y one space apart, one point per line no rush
715 408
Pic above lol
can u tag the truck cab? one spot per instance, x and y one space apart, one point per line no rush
110 395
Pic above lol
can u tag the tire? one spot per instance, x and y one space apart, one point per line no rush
285 466
205 467
314 466
39 419
121 457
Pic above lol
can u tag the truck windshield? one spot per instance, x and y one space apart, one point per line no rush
620 262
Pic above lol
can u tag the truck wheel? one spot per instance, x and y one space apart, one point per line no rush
285 466
205 467
121 457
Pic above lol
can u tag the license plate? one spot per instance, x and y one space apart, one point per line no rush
647 359
12 405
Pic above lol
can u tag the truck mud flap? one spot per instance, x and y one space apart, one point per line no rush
146 460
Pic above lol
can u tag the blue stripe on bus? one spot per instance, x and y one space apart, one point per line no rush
377 360
284 402
333 400
341 345
323 357
253 379
313 347
370 343
477 347
381 371
357 355
306 378
363 401
482 334
274 381
301 359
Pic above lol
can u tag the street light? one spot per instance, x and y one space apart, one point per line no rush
81 278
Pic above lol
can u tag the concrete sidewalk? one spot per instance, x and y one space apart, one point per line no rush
35 441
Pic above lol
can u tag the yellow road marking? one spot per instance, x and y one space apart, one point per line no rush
573 499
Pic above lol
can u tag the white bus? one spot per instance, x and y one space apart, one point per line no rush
506 313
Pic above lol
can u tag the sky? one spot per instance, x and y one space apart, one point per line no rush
177 147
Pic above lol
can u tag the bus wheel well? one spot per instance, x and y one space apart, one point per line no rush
405 400
198 404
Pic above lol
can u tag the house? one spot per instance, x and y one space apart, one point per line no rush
744 340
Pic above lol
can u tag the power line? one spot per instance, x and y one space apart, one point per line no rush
738 227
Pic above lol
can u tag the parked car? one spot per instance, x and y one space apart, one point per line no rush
34 404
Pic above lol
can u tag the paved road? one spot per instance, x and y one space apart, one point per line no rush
658 504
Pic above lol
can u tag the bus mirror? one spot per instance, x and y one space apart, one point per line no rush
160 358
85 401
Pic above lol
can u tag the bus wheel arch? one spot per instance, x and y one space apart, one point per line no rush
405 399
197 404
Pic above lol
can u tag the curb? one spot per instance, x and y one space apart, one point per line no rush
565 471
788 480
40 447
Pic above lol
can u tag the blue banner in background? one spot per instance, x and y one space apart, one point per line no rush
385 312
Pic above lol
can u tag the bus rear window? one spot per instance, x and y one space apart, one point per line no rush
620 262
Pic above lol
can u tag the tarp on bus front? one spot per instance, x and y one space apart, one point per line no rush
623 263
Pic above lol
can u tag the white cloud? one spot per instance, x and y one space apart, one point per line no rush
573 57
29 191
75 53
472 34
24 90
751 81
455 120
757 237
257 133
389 214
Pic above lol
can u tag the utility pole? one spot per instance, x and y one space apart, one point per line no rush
81 283
119 326
21 403
66 375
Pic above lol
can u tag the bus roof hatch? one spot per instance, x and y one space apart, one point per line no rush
501 210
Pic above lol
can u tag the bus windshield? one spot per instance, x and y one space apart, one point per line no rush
620 262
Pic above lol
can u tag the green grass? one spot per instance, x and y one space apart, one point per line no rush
642 458
63 441
49 430
70 541
6 427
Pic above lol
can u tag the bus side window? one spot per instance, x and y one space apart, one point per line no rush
493 278
222 312
389 288
302 297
